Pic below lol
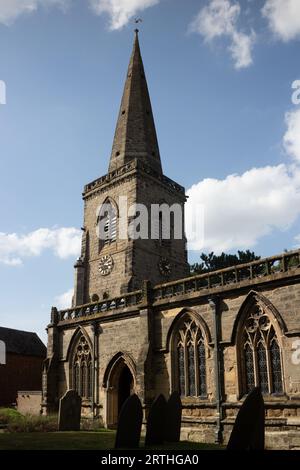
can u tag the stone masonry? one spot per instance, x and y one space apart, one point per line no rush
122 333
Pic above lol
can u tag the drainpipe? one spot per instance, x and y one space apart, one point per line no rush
214 303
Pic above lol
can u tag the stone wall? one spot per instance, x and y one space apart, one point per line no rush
29 402
142 336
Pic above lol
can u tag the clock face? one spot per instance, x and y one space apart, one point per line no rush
165 266
105 265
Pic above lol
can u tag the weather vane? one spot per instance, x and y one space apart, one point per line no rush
137 21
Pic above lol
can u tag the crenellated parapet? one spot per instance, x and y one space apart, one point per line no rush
129 168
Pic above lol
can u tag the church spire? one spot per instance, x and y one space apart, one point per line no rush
135 135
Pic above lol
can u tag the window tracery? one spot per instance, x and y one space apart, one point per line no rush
82 369
261 353
191 360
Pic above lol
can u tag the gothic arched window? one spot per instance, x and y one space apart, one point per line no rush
190 359
82 367
261 357
107 224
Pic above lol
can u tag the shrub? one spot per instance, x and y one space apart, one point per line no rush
16 422
9 414
30 423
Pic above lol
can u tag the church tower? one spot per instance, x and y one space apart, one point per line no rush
112 263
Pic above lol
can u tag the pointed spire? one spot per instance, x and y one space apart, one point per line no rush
135 135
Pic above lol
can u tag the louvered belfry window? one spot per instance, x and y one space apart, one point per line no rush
108 220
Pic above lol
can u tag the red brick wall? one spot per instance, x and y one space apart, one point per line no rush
19 373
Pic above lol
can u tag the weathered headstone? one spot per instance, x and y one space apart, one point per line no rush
69 412
173 418
249 428
129 423
155 433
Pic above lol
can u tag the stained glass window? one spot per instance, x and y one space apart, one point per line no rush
250 378
82 360
191 371
76 378
262 368
83 379
202 369
261 353
181 370
191 359
276 367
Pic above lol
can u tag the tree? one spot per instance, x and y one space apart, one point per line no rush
212 262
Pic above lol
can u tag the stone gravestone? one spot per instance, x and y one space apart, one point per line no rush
155 433
173 418
129 423
249 428
69 412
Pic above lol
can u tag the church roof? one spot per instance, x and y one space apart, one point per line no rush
22 342
135 135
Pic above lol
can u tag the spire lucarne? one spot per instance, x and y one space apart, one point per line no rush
135 135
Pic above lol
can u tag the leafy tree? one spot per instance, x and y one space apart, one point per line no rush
212 262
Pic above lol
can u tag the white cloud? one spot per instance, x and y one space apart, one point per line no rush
297 239
64 300
291 139
283 17
120 11
220 18
64 242
11 9
241 209
241 49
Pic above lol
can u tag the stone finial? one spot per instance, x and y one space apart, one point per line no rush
54 316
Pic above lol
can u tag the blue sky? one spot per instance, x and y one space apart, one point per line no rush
220 74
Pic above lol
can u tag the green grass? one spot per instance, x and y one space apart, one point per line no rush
40 433
90 440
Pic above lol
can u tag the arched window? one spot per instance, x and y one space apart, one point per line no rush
107 224
190 359
261 357
82 368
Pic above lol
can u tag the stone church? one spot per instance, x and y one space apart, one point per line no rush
140 323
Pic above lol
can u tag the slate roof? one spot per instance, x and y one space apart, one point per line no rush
22 342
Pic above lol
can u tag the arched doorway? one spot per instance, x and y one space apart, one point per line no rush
120 385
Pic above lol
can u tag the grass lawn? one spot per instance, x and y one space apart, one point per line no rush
89 440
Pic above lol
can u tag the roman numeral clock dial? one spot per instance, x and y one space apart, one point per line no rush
106 265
